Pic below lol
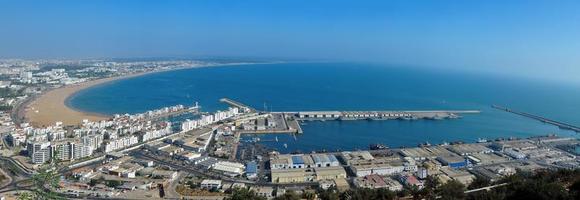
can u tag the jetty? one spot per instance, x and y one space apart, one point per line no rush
561 125
237 105
380 115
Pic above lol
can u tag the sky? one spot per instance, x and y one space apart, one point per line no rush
538 39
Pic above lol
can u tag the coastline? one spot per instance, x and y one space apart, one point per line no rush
51 106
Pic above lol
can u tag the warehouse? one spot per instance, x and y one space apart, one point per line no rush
229 167
453 161
307 175
469 149
380 169
297 162
330 173
292 176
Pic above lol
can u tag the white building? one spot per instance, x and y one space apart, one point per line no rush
380 169
229 167
211 184
39 152
121 143
94 141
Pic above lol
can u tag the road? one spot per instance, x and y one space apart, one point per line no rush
17 175
486 188
213 175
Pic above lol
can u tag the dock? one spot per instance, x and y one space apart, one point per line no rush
561 125
237 104
380 115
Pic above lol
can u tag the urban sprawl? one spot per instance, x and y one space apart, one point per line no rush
180 151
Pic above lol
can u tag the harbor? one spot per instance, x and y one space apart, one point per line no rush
381 115
289 122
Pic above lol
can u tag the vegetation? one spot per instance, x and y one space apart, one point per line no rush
561 184
189 191
243 194
45 181
113 183
25 196
7 92
291 195
5 108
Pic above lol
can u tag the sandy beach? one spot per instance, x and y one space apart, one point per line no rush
50 107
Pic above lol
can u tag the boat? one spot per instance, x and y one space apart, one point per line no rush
377 146
424 144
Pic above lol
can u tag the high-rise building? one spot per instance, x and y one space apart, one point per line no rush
39 152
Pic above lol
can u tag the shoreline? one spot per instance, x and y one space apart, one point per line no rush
51 106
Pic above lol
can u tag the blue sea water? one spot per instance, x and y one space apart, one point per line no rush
350 86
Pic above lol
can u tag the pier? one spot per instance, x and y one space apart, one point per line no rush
380 115
561 125
237 104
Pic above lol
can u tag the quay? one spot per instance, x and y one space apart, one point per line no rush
559 124
237 104
380 115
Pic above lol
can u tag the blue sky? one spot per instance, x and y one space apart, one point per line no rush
539 39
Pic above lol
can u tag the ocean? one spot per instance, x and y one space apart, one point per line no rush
351 86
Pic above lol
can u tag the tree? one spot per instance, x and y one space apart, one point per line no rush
575 189
429 190
47 179
25 196
479 182
93 182
114 183
289 195
367 194
415 192
452 190
309 195
494 194
328 195
536 189
385 194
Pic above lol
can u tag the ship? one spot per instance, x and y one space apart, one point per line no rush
377 146
425 144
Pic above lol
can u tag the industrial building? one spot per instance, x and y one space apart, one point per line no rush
229 167
453 161
362 163
298 161
297 175
251 170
